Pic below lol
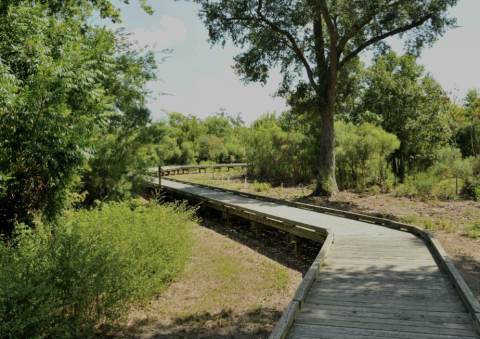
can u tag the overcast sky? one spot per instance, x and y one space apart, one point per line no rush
201 81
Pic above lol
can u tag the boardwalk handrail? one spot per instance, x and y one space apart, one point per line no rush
468 298
168 169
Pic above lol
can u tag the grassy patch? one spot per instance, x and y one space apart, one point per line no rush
226 288
472 230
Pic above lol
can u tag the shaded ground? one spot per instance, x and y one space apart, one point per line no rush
456 223
235 286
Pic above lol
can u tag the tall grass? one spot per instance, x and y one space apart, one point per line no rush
75 279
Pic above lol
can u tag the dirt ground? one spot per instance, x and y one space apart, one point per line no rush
235 286
450 220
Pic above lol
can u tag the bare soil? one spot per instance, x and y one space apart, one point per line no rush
235 286
449 220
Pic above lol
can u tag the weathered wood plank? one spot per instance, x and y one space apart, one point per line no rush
286 321
389 327
384 319
421 307
414 302
462 316
320 331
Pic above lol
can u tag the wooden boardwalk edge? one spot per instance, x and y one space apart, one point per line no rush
294 308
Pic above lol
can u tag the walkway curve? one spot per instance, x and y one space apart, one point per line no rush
368 281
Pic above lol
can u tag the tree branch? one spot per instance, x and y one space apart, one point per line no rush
360 25
319 43
381 37
293 43
330 25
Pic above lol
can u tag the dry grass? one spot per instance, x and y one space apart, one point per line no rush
227 291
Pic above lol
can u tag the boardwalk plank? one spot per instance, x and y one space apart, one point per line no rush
324 331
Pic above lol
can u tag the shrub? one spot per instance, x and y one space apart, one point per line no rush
279 155
471 188
375 190
407 188
261 186
424 184
361 153
445 189
75 279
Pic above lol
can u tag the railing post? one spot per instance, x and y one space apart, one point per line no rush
159 178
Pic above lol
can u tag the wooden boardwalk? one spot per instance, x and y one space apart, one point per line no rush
369 281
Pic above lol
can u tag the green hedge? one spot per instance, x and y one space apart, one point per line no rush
78 278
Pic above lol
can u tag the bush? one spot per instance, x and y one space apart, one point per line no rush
261 186
424 184
407 188
75 279
445 189
361 153
471 188
278 155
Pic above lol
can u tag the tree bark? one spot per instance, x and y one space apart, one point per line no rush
326 181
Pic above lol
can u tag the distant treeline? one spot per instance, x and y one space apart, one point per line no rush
397 128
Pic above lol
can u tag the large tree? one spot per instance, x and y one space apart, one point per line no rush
405 100
315 40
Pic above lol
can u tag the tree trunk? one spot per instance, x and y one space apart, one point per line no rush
326 181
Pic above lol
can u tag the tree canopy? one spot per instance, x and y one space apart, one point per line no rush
58 78
316 40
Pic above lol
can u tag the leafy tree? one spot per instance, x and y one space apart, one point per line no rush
187 128
405 101
57 79
51 103
117 145
318 38
449 164
469 135
79 9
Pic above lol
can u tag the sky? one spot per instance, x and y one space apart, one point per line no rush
199 78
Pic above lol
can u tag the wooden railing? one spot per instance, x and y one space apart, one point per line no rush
166 170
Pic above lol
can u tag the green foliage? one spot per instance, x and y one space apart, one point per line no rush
51 104
445 189
405 101
361 155
473 230
406 188
424 184
449 164
278 155
79 9
472 188
77 278
261 186
265 27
